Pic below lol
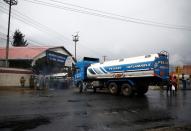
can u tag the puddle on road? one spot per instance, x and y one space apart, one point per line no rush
44 93
22 125
119 110
81 113
89 105
154 119
155 115
138 116
74 100
84 127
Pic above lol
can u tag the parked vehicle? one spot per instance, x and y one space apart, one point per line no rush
128 75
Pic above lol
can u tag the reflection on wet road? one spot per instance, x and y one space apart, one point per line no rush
69 110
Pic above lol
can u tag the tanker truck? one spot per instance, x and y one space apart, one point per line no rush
126 76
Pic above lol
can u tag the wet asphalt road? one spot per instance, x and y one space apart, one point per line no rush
68 110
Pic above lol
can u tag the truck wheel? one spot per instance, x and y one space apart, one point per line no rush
80 86
142 90
113 88
126 89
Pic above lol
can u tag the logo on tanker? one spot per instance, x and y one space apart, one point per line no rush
163 62
126 67
159 63
115 68
139 65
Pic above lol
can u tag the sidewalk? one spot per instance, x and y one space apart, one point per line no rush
15 88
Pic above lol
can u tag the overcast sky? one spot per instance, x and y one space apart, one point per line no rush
105 36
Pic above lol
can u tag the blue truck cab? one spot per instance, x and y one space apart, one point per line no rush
81 67
161 66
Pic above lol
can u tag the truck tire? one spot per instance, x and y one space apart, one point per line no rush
141 90
113 88
127 89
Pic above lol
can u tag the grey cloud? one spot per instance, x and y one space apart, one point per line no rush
116 39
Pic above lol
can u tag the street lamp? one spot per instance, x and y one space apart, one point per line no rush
10 2
75 39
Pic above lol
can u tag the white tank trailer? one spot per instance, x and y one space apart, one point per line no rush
126 76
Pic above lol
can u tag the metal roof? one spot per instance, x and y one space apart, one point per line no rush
27 53
22 52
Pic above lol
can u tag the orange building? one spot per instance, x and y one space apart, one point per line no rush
187 69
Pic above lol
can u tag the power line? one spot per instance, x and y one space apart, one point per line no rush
10 3
29 21
40 44
18 18
106 15
23 21
41 24
104 12
2 36
33 42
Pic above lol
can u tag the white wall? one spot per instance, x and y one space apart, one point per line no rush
13 79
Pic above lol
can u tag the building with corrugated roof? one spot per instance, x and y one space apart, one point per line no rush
20 57
41 59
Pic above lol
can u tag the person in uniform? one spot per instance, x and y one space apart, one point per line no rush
22 81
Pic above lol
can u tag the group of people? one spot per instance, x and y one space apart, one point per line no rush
172 85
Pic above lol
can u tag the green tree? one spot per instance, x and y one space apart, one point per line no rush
18 39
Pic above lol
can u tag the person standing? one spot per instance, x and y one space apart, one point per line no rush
169 86
183 82
174 83
84 86
31 81
173 90
22 81
189 81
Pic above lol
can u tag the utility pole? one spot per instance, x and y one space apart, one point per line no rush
10 2
75 39
104 58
